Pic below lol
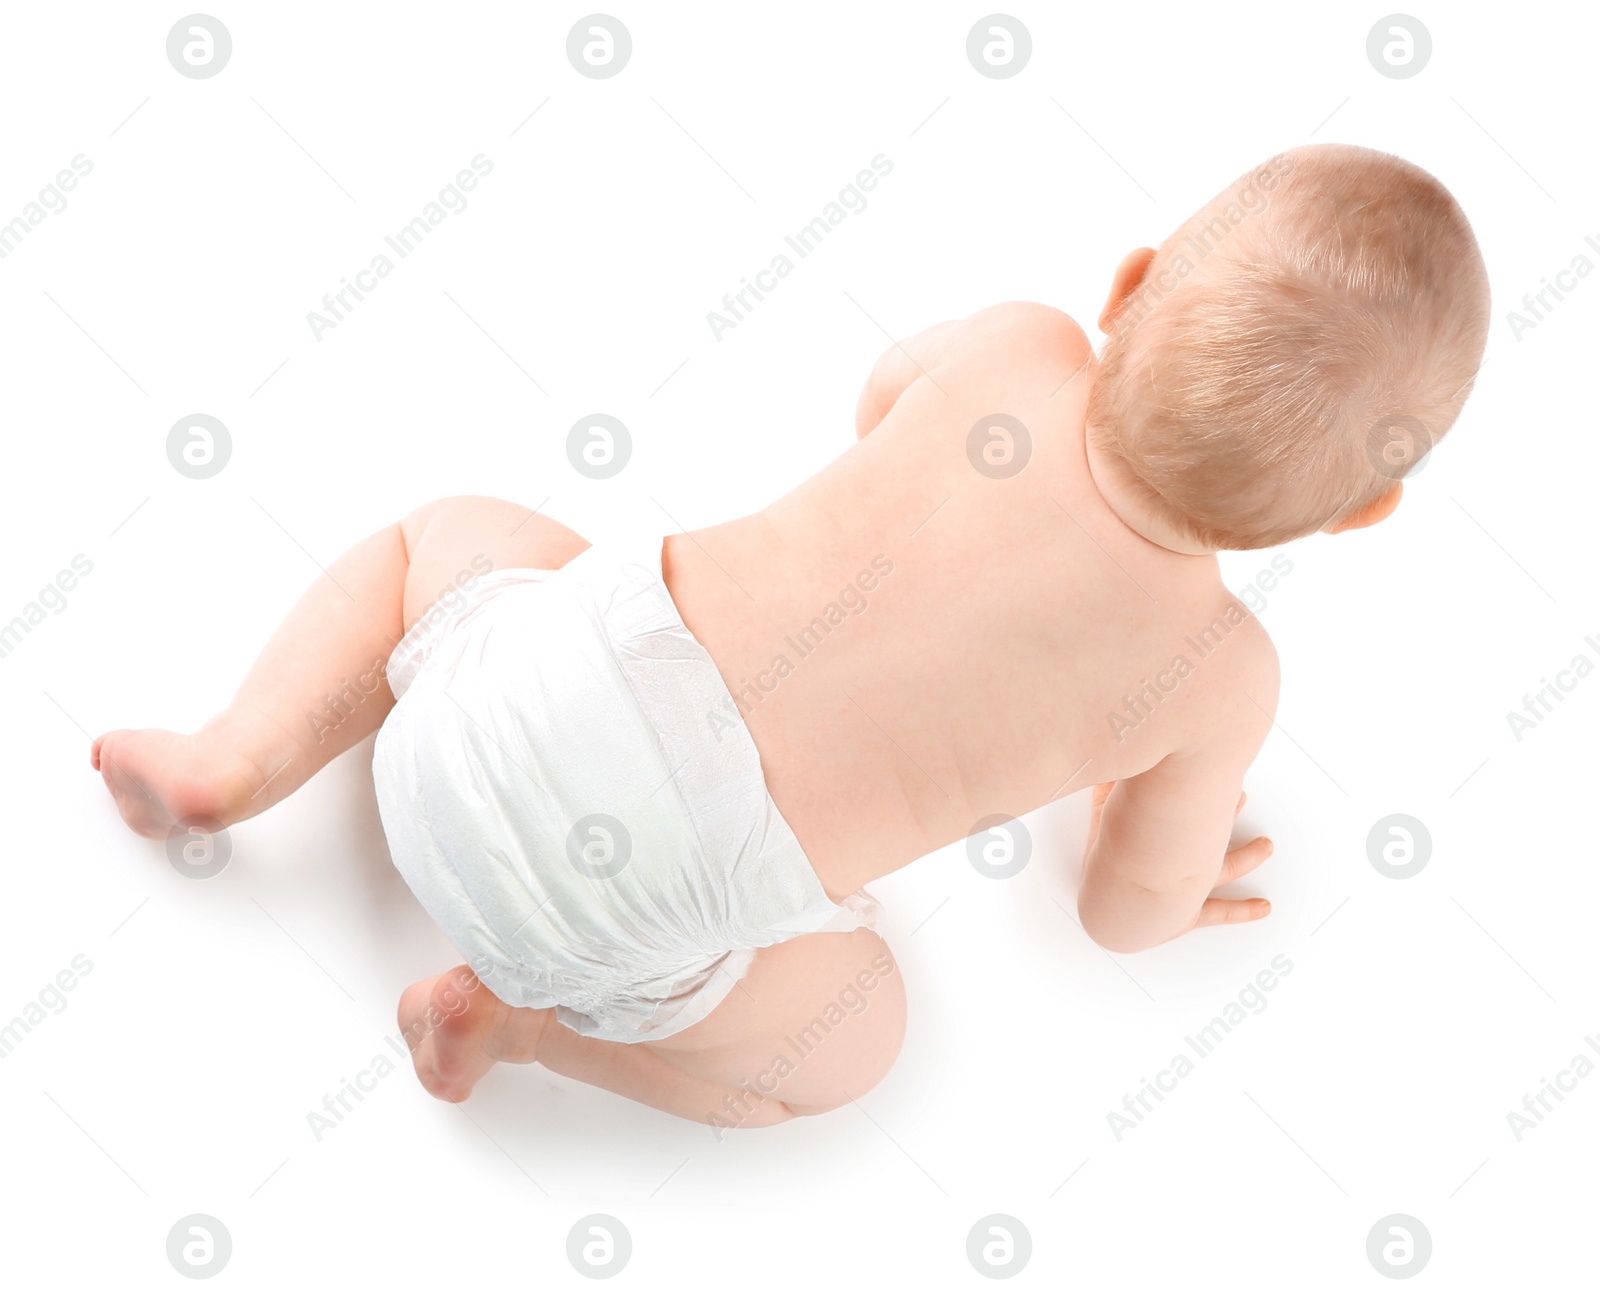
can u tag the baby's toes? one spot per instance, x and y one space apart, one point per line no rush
105 747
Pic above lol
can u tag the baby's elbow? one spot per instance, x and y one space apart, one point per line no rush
1121 943
1108 933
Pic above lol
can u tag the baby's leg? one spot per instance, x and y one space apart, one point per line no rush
816 1023
283 725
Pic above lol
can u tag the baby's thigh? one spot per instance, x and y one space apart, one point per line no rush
457 540
818 1021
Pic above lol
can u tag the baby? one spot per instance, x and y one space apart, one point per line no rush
642 788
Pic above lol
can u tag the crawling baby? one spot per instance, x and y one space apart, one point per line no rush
642 787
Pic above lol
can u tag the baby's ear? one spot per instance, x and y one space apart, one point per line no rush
1129 275
1370 514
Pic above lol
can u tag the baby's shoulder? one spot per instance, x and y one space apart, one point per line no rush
1256 663
1025 332
1230 651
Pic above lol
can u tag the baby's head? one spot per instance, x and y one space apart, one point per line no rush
1291 351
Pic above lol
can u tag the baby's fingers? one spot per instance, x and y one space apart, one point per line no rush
1230 912
1246 858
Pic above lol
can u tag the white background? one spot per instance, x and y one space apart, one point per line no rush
218 1013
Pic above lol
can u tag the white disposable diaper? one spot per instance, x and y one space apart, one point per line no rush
563 791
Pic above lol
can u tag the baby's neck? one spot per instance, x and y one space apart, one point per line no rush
1124 500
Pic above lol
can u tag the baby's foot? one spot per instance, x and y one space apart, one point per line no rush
458 1031
158 777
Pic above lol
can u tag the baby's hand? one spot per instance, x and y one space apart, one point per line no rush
1237 862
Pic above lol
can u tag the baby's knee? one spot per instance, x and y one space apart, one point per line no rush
851 1039
440 514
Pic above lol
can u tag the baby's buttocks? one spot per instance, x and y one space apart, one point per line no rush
444 616
558 797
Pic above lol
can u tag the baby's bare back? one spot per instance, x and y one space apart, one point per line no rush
948 622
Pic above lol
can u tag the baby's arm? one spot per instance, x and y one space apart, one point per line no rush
896 369
1158 842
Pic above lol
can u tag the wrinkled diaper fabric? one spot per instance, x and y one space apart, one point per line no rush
567 788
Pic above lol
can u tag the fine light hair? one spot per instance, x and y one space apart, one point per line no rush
1294 348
